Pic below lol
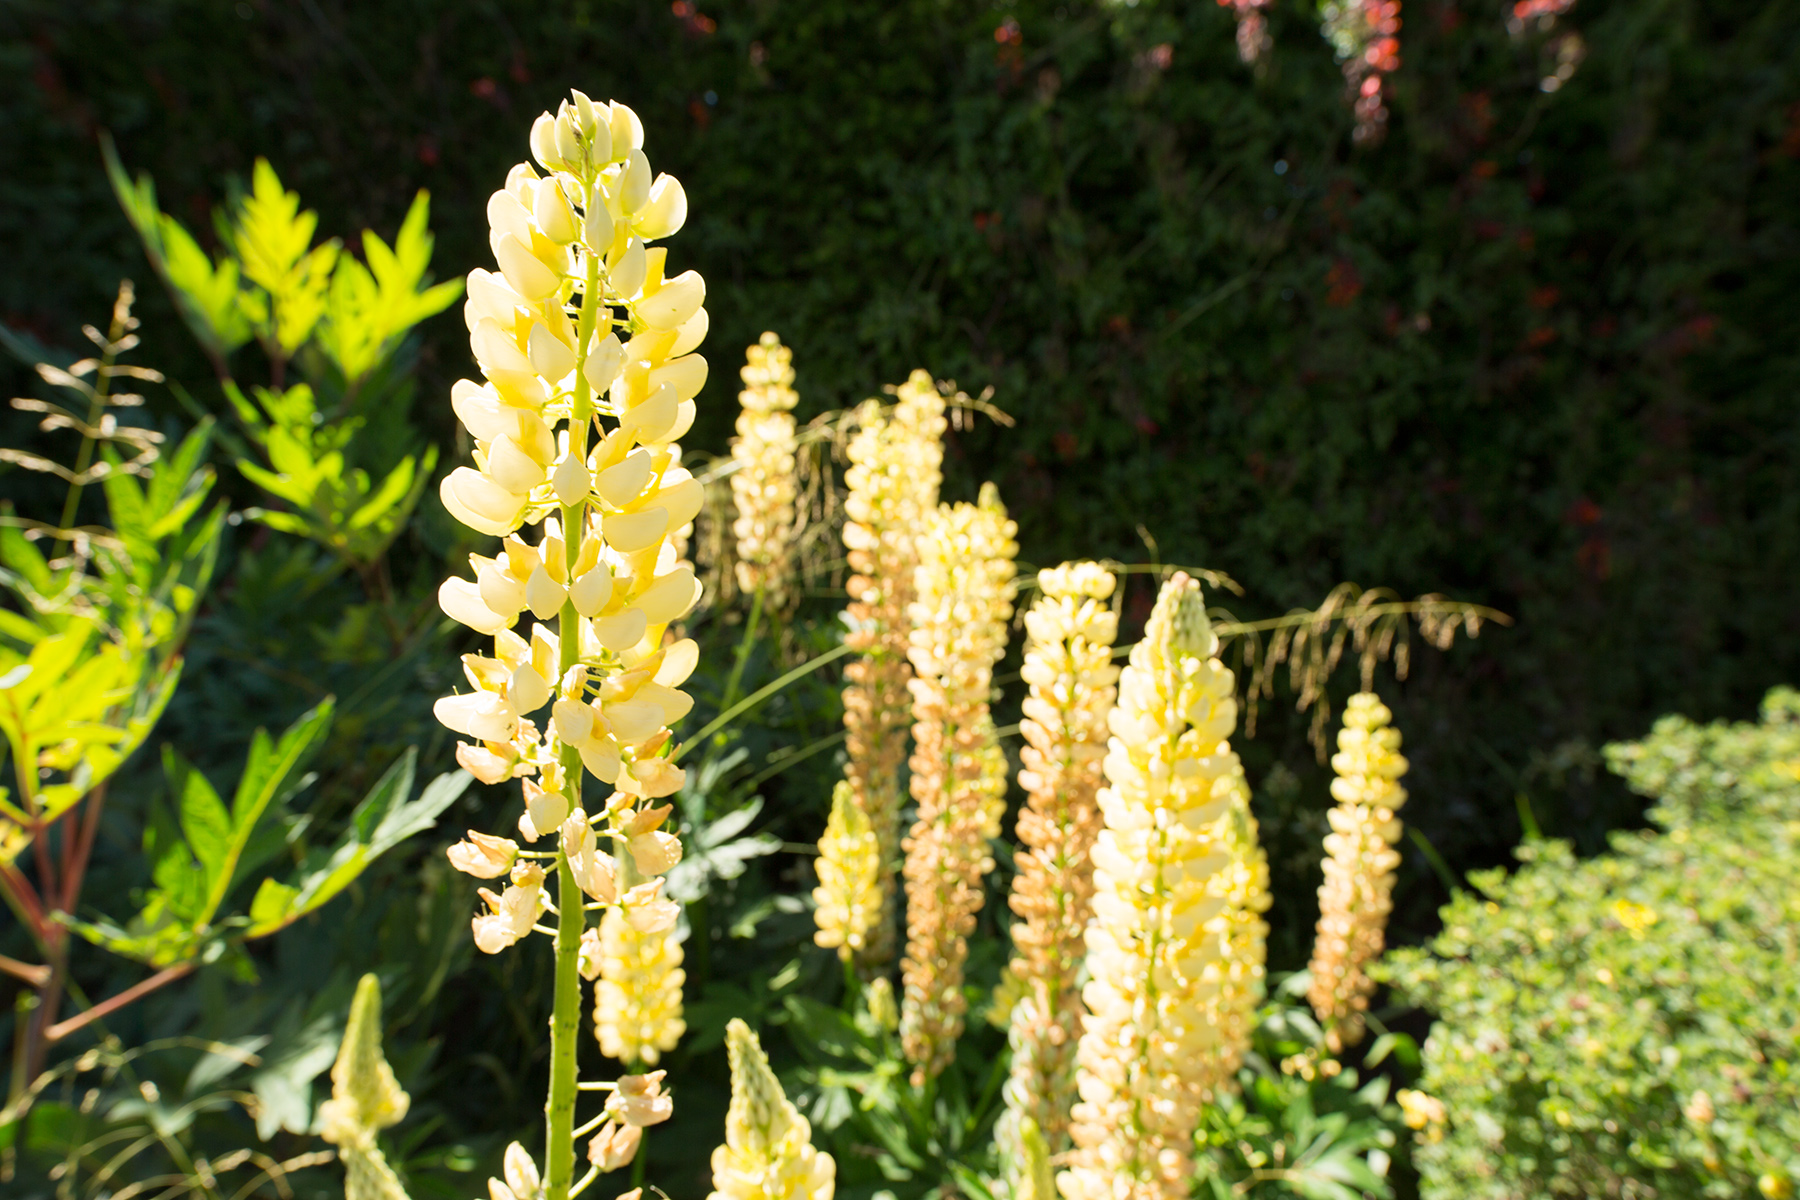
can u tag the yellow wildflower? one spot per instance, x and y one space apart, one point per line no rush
1068 667
768 1152
1175 951
763 484
963 602
895 468
849 892
1357 895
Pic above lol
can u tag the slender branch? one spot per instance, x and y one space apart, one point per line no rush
36 976
112 1004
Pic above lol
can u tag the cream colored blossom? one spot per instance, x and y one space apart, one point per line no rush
848 897
963 602
585 341
1357 895
763 486
1069 670
1175 951
895 468
637 1003
768 1152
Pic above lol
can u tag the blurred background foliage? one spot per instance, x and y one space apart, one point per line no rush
1536 350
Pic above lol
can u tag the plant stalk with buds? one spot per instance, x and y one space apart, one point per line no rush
1357 895
963 601
586 346
1069 669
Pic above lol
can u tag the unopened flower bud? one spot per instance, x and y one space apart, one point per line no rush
568 139
521 1172
571 480
597 222
553 214
543 143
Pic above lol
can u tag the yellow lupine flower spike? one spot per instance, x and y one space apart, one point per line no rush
849 891
764 486
365 1099
637 1003
1068 667
1357 895
895 467
768 1152
960 613
1175 951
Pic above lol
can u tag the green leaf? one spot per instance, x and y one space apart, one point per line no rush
205 295
269 779
271 903
204 822
271 237
385 818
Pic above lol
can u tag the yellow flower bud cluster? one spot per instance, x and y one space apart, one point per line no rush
896 460
963 602
768 1152
585 344
1357 894
637 1003
365 1099
1175 954
763 486
848 897
1069 669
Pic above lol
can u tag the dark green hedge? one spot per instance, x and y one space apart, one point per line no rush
1536 349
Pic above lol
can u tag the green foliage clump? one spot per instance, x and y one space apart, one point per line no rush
1630 1025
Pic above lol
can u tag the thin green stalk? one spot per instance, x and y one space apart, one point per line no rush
637 1164
761 694
565 1020
852 985
745 645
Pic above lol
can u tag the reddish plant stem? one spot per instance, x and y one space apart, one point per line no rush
113 1004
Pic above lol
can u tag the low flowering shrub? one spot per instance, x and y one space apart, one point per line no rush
1629 1025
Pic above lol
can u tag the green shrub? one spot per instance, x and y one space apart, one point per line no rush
1630 1025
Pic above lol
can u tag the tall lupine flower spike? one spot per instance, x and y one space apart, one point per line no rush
365 1099
768 1152
963 602
1175 949
1252 27
1358 891
585 347
895 468
849 892
1366 36
763 485
1068 666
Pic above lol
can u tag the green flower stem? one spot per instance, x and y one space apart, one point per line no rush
757 697
565 1020
743 651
